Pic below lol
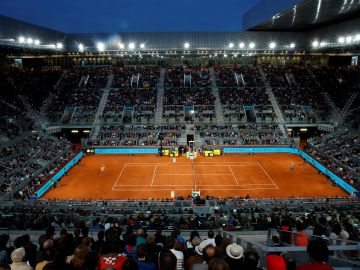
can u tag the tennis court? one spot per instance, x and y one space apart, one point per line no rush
152 177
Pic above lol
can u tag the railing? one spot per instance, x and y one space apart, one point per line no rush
263 248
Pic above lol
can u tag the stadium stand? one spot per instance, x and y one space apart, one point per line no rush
57 104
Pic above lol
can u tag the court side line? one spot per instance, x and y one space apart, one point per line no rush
152 180
117 179
237 183
268 176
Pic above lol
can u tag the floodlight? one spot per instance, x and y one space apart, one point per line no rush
59 45
131 45
241 45
100 46
231 45
121 46
348 39
272 45
341 39
29 40
292 45
37 42
81 47
186 45
315 44
251 45
21 39
142 45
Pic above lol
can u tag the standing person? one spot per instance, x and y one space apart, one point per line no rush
102 169
292 166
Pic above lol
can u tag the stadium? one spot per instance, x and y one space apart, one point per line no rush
183 150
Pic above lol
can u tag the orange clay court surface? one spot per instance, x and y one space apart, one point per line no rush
148 176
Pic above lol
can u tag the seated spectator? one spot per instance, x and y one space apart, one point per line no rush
47 254
4 251
142 260
18 260
170 244
218 264
211 239
301 237
167 261
275 262
235 256
198 256
251 260
190 249
153 250
112 259
318 255
208 254
79 257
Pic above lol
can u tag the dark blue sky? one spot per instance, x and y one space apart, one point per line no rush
82 16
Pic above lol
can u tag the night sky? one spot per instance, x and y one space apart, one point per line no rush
90 16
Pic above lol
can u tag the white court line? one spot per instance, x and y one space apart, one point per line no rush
152 180
187 164
191 174
170 185
117 179
194 176
180 189
268 176
147 186
237 183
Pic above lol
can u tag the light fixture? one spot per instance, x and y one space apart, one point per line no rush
341 39
37 42
251 45
121 46
21 39
348 39
29 40
272 45
241 45
100 46
131 45
231 45
292 45
315 44
74 131
142 45
186 45
81 47
59 45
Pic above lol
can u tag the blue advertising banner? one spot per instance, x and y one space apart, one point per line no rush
58 175
126 150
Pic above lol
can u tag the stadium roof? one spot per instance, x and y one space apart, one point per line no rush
303 16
